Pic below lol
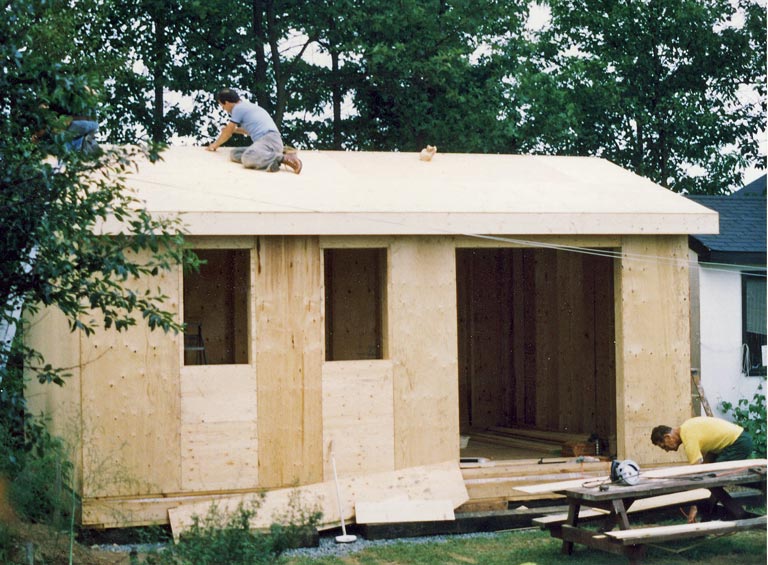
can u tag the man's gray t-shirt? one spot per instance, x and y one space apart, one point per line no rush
253 119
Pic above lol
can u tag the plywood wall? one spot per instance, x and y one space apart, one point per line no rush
219 443
358 417
48 332
130 398
422 336
288 353
652 333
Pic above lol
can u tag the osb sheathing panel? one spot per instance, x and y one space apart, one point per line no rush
130 383
219 448
288 354
422 286
652 347
358 417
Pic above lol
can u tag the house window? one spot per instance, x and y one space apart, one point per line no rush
216 308
753 322
354 303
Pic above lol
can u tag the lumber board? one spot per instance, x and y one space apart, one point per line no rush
561 466
399 510
429 482
681 531
544 435
653 473
533 444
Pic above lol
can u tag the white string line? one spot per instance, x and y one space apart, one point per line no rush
598 252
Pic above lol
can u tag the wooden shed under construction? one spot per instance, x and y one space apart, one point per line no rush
383 305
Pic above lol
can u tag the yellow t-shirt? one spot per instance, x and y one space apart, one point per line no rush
703 435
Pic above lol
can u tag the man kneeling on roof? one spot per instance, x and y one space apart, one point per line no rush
705 440
246 118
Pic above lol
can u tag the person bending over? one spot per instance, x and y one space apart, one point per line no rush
705 440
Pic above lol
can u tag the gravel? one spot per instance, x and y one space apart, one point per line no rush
326 548
329 547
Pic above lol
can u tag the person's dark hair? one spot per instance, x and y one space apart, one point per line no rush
658 433
227 95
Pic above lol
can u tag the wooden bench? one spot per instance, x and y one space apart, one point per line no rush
637 536
642 505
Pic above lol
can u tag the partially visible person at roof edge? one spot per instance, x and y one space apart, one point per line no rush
705 440
266 151
79 130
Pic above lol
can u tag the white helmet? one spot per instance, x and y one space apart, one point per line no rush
625 472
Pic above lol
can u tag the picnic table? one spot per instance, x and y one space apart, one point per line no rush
612 503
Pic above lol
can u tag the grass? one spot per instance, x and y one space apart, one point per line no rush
535 547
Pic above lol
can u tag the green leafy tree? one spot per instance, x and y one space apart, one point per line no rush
434 73
657 87
53 199
751 415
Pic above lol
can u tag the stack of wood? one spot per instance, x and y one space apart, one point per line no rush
493 485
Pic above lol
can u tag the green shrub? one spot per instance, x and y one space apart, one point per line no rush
215 539
297 526
7 543
40 490
35 463
751 415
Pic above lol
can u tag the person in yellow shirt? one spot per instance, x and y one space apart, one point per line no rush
705 440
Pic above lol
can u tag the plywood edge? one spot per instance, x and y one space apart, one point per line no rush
403 510
430 482
652 473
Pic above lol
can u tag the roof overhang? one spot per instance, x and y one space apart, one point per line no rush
360 193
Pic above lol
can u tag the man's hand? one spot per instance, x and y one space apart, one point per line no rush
211 147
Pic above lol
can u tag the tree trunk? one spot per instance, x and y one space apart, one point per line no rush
159 48
259 39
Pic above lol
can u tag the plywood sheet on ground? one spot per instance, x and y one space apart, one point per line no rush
429 482
403 510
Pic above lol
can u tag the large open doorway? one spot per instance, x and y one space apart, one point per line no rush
536 350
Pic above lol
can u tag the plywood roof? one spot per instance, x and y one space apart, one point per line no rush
358 193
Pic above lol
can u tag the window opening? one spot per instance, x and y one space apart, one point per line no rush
354 304
216 308
753 323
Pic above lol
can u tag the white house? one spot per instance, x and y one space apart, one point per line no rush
731 312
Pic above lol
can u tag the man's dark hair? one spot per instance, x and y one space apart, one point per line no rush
227 95
658 433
